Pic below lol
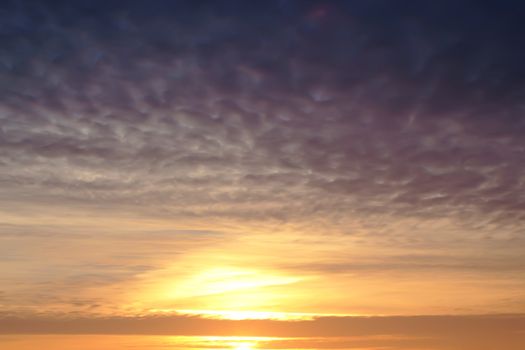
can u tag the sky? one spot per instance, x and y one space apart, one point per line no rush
332 174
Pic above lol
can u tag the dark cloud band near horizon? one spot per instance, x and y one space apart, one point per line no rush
321 326
416 332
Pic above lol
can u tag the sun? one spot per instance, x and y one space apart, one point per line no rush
244 346
242 315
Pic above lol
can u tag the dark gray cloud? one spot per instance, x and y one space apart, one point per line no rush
443 332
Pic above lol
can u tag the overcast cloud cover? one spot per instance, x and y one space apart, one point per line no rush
393 127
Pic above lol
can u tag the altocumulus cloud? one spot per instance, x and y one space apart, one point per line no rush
198 112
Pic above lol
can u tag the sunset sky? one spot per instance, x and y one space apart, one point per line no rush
245 174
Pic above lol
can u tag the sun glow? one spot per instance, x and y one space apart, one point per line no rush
225 280
248 315
231 292
251 315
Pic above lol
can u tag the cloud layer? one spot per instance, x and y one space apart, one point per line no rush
445 332
391 130
208 116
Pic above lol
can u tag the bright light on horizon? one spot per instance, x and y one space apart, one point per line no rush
243 346
250 315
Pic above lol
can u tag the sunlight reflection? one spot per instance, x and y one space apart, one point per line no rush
219 342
